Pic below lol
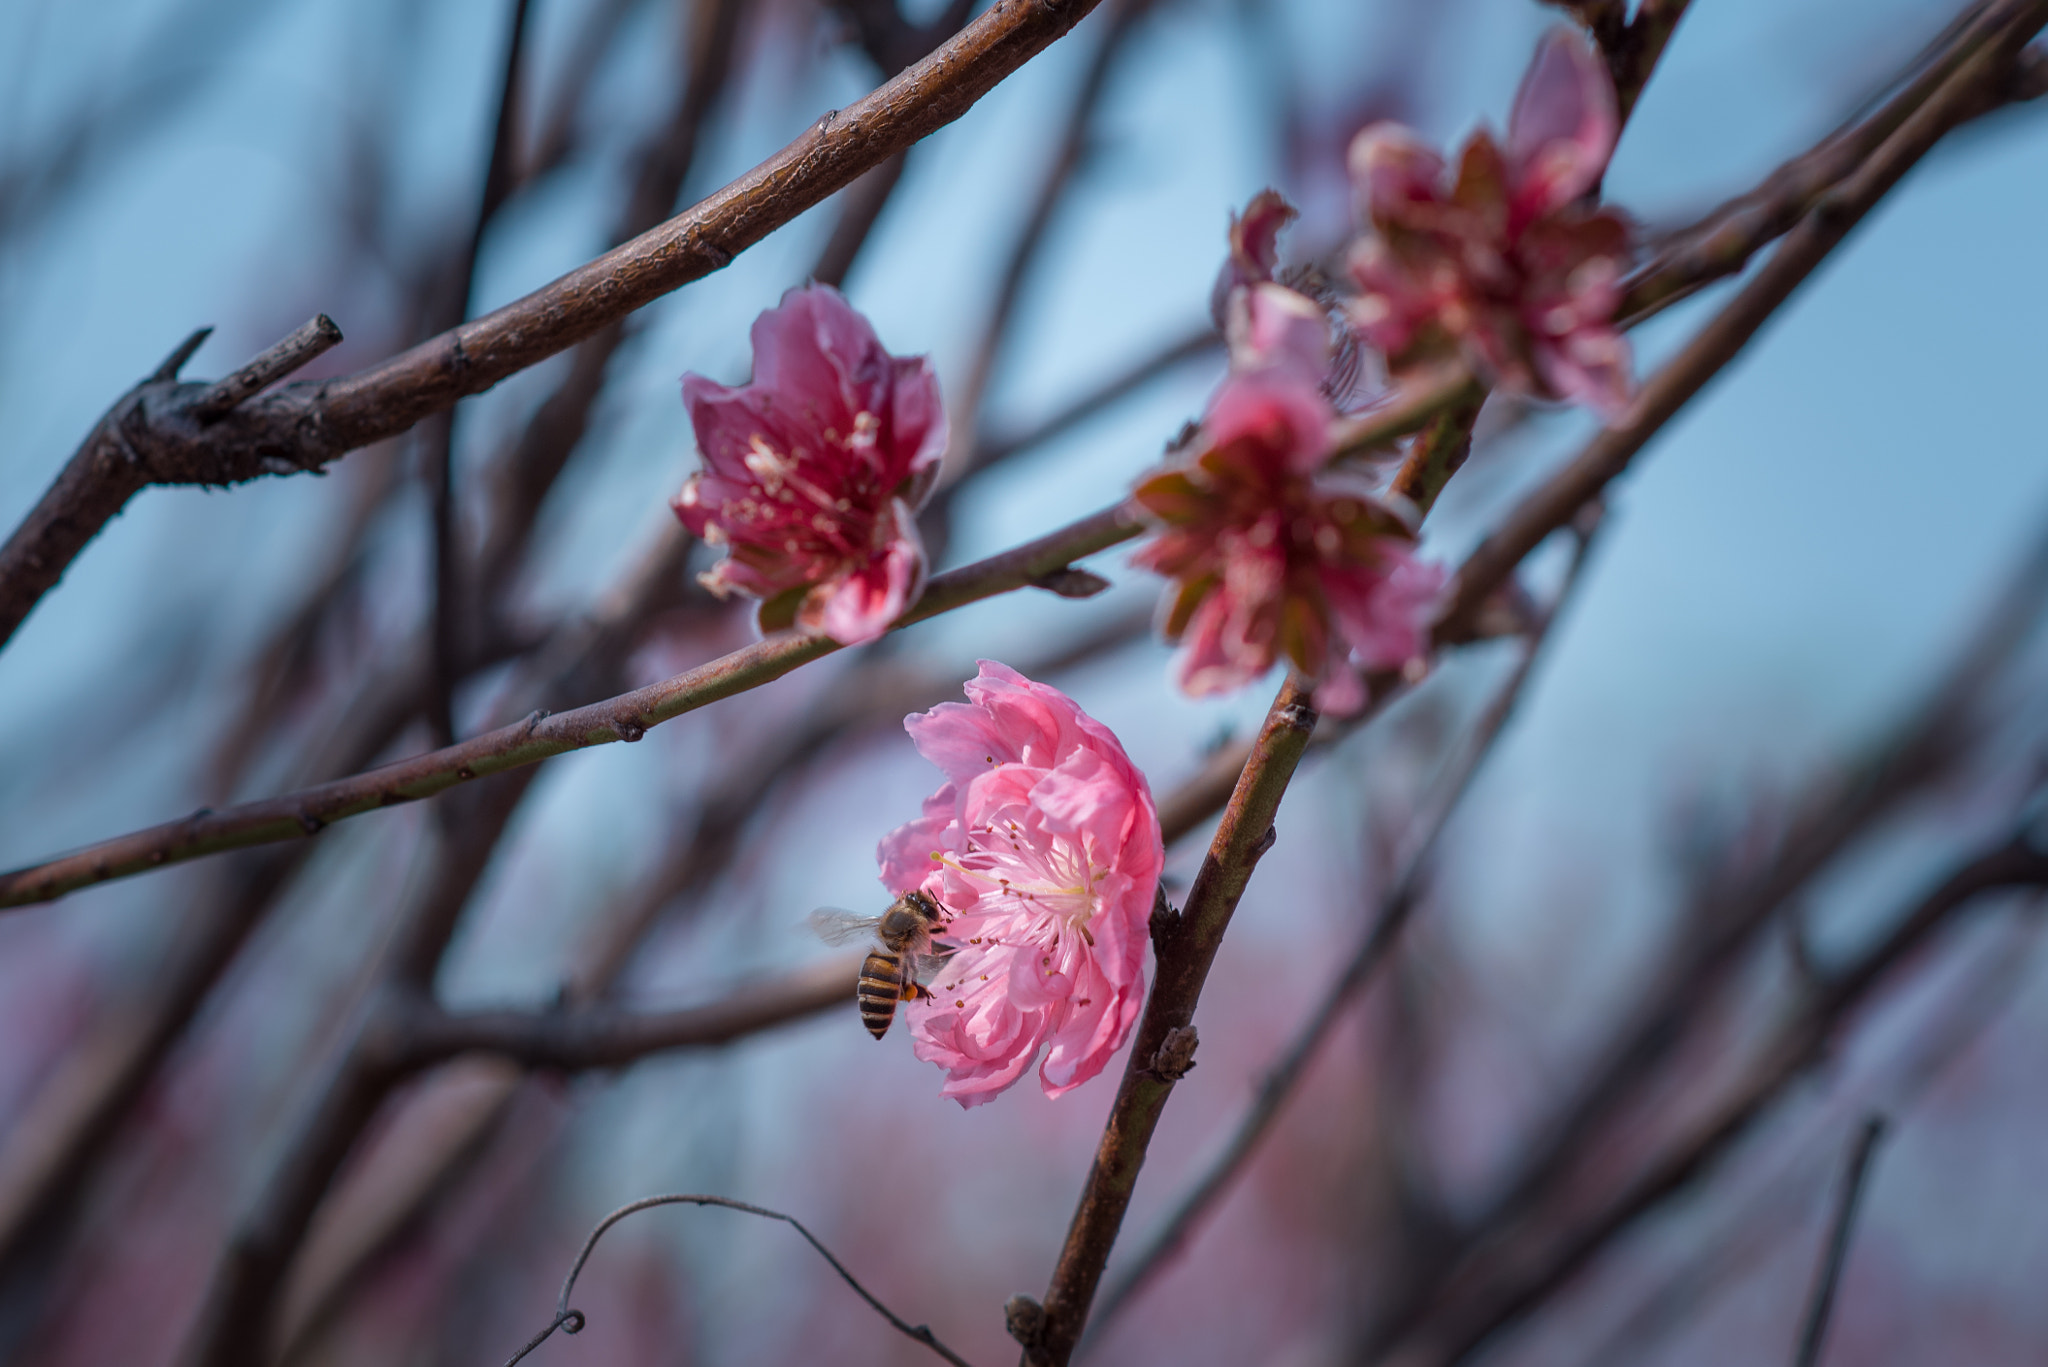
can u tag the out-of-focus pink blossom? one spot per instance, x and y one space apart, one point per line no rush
1266 324
814 471
1502 259
1275 556
1043 847
1254 247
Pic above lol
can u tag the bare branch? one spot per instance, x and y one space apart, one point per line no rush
152 436
1550 507
1489 1299
119 457
449 614
579 1038
541 736
1185 946
1068 154
1203 341
1396 904
1721 243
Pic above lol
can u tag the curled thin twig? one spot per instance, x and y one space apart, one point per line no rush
571 1321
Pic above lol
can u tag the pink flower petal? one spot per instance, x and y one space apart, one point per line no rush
862 604
1392 168
1271 326
1563 128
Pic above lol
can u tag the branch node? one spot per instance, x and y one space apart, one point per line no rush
1025 1319
1264 843
1174 1059
628 730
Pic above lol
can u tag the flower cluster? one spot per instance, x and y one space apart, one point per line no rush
813 473
1043 847
1275 555
1502 260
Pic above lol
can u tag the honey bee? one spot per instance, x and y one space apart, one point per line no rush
889 974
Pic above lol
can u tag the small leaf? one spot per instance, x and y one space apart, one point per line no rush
1189 597
779 613
1069 582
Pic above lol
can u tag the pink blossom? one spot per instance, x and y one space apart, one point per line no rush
1502 260
1276 556
1043 847
813 472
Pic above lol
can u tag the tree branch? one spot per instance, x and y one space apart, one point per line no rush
1396 904
540 736
448 612
1550 507
121 456
1486 1302
153 436
1185 947
580 1038
1721 243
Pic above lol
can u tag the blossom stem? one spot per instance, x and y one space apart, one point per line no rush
1186 947
1439 451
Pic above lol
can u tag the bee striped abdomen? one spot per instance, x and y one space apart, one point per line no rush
881 985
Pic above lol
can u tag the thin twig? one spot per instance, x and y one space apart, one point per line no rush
522 478
449 613
1721 242
571 1321
1819 1305
1069 152
892 43
1203 341
313 338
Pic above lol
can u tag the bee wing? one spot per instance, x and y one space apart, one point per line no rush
931 964
837 927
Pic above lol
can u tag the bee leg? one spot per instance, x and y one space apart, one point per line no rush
914 990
